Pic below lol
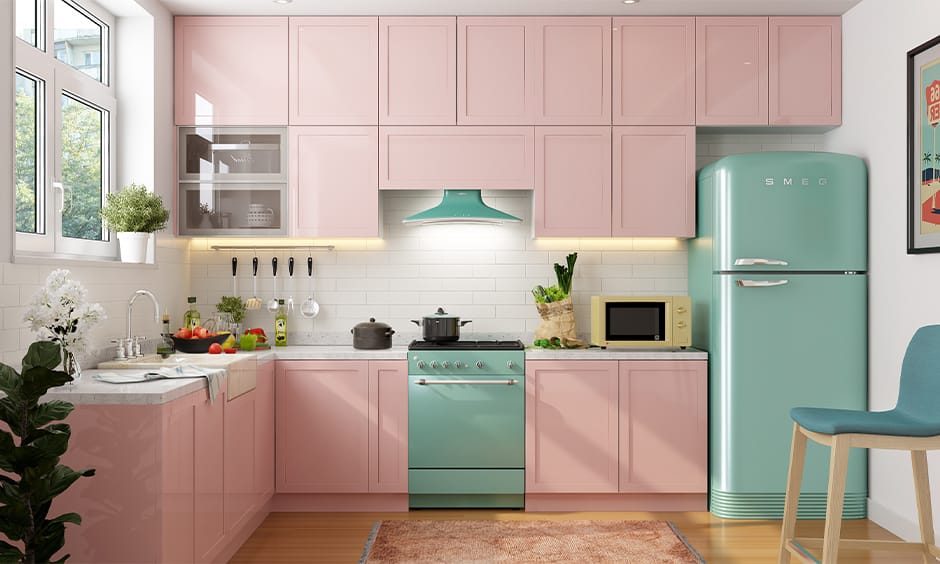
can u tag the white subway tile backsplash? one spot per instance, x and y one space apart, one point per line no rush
439 298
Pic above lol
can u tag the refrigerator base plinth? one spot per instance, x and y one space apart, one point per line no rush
736 505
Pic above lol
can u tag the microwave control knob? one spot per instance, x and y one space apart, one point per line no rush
680 324
680 309
479 364
510 365
421 364
433 364
445 364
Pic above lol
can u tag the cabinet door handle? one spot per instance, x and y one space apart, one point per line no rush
509 382
761 261
761 283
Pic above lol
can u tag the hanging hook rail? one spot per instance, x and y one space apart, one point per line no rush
271 247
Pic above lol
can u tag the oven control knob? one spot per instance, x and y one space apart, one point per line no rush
420 364
479 364
458 364
510 365
433 364
445 364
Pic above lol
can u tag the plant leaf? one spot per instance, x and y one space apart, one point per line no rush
10 413
45 413
38 379
10 553
10 381
42 353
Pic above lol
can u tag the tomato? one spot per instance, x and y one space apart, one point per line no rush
215 348
184 333
230 350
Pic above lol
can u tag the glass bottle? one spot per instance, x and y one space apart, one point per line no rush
167 346
280 325
191 318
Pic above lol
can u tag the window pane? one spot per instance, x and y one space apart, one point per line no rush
75 35
27 126
82 166
26 21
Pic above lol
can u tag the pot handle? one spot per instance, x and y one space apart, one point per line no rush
390 332
462 323
416 322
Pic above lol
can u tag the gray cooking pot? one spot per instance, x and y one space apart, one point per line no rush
440 326
372 335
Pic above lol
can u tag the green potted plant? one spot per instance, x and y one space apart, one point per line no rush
235 307
134 213
33 476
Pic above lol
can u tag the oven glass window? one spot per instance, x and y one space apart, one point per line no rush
638 321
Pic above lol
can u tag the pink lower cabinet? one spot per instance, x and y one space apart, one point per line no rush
342 435
653 181
608 435
264 432
334 181
456 157
572 181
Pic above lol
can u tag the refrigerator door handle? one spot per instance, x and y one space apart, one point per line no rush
756 261
761 283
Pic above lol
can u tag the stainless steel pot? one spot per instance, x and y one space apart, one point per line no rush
372 335
440 326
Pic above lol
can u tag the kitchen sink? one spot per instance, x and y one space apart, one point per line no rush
241 369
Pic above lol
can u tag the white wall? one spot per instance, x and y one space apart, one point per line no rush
876 36
143 153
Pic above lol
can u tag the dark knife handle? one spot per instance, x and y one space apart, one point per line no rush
274 266
309 266
254 266
234 266
290 266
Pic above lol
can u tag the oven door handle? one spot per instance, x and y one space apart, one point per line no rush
507 382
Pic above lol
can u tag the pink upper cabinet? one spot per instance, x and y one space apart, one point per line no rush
573 71
731 71
805 80
334 181
572 181
654 71
653 181
417 70
495 71
231 71
334 71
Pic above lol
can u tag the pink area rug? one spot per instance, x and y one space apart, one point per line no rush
451 542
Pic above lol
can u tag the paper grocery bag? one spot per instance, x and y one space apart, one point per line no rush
557 320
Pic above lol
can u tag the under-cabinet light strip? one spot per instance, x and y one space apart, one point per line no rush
271 247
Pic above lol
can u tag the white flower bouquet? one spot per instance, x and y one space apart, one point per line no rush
60 313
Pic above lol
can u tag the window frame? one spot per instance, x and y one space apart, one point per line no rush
58 79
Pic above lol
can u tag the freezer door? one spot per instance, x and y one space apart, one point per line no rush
808 210
780 342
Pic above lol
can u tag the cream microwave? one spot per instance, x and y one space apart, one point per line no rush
641 321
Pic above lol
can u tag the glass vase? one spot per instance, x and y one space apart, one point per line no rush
70 365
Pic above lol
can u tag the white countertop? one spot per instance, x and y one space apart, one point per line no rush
88 390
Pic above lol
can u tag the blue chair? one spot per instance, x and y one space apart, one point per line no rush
913 424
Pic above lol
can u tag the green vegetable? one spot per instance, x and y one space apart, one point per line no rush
564 274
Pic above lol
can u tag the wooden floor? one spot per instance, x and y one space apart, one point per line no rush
338 538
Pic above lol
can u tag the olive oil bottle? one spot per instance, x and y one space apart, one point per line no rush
192 319
280 325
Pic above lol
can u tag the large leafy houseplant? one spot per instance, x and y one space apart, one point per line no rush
33 476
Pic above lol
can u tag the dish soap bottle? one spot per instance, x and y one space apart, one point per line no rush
192 319
280 325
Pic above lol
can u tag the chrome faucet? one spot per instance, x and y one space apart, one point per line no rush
133 345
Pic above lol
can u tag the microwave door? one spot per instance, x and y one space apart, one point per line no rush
635 321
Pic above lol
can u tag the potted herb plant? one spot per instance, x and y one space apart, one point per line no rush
33 476
235 307
135 213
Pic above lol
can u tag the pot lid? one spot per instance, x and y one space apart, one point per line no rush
372 324
441 314
461 206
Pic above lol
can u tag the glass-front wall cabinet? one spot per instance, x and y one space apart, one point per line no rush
233 181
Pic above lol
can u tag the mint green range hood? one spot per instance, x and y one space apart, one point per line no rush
461 206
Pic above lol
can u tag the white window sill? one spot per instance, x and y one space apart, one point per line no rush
72 260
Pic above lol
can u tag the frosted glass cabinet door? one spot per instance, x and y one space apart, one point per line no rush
731 71
334 180
653 181
334 71
805 80
230 71
417 70
654 71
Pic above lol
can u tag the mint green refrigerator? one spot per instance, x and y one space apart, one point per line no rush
777 276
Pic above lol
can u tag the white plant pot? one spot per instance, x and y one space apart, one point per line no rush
133 246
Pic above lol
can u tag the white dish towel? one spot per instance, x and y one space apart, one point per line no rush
213 376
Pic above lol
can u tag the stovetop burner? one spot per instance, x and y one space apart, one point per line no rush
466 345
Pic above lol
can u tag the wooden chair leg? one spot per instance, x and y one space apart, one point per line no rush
922 494
794 480
835 498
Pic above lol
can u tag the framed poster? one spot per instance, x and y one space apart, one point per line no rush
923 152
